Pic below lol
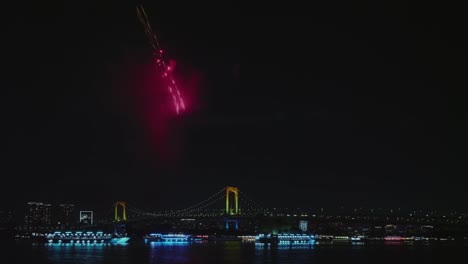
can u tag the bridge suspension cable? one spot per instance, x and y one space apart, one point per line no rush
135 210
200 207
252 204
248 206
213 196
105 217
195 207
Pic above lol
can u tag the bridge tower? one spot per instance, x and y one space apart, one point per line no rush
235 210
116 211
232 211
120 222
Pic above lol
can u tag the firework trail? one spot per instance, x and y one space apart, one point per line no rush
166 66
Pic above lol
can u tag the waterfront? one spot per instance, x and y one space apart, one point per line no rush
235 252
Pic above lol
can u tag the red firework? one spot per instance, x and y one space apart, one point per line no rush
164 65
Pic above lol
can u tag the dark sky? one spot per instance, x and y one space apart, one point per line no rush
344 105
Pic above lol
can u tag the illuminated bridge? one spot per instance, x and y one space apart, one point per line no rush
229 204
228 201
231 209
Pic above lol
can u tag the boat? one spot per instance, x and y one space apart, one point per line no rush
341 238
31 237
267 238
398 238
84 237
285 238
324 237
358 238
179 238
295 239
157 237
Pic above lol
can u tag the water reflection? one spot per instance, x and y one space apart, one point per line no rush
169 244
168 252
71 253
234 252
281 246
184 252
278 253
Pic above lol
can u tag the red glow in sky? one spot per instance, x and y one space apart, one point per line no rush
165 95
165 107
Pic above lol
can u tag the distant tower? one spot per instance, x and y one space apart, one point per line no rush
235 210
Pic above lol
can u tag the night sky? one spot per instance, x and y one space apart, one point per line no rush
342 106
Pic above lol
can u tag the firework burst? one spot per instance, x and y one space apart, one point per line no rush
165 66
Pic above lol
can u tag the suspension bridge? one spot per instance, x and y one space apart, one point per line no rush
228 204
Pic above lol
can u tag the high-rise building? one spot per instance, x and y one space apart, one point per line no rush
38 215
65 215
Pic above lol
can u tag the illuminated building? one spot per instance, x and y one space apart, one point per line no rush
38 215
65 215
303 225
86 217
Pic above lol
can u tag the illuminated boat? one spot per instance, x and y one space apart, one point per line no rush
398 238
341 238
267 238
200 237
31 237
285 238
157 237
324 237
295 239
247 238
84 237
358 238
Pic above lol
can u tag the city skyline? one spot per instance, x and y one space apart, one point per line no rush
62 215
324 110
65 216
